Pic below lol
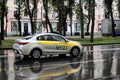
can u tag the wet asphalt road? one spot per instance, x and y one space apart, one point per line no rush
98 63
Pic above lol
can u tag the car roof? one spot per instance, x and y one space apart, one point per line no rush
46 34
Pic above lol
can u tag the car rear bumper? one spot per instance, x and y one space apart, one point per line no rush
17 51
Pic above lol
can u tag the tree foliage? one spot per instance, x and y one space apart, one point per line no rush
109 13
3 7
46 8
31 12
118 7
62 8
93 21
17 14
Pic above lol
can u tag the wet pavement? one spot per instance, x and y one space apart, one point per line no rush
98 63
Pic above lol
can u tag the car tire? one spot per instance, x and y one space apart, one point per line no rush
75 51
36 53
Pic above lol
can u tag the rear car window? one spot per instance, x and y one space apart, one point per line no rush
27 37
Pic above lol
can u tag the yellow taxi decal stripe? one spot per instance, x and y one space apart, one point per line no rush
68 44
57 43
60 73
45 42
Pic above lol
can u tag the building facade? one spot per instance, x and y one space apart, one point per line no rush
12 24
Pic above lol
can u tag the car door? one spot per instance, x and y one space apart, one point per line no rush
47 44
62 44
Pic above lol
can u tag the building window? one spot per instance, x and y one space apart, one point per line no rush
53 15
99 7
38 28
99 27
54 26
115 25
14 25
25 13
15 1
99 17
25 2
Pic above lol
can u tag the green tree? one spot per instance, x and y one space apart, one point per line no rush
0 21
17 15
2 17
93 20
118 7
109 13
62 10
31 12
6 16
88 8
81 18
70 12
45 4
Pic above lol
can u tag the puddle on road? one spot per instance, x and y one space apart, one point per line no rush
96 63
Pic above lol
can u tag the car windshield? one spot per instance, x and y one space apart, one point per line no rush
27 37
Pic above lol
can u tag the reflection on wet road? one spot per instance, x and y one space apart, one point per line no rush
98 63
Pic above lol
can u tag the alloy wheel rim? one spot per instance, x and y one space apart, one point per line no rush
75 51
36 54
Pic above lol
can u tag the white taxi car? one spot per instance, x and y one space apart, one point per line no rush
46 44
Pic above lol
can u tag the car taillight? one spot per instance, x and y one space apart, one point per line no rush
22 43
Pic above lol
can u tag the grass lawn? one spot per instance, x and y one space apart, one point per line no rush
8 42
99 40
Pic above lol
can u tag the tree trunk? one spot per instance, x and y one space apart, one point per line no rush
2 20
113 28
119 7
6 24
88 25
64 25
89 18
70 20
93 22
45 4
81 20
19 22
60 24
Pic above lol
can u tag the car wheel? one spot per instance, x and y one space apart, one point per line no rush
75 51
36 53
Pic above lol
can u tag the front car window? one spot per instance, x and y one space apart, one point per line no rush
58 38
